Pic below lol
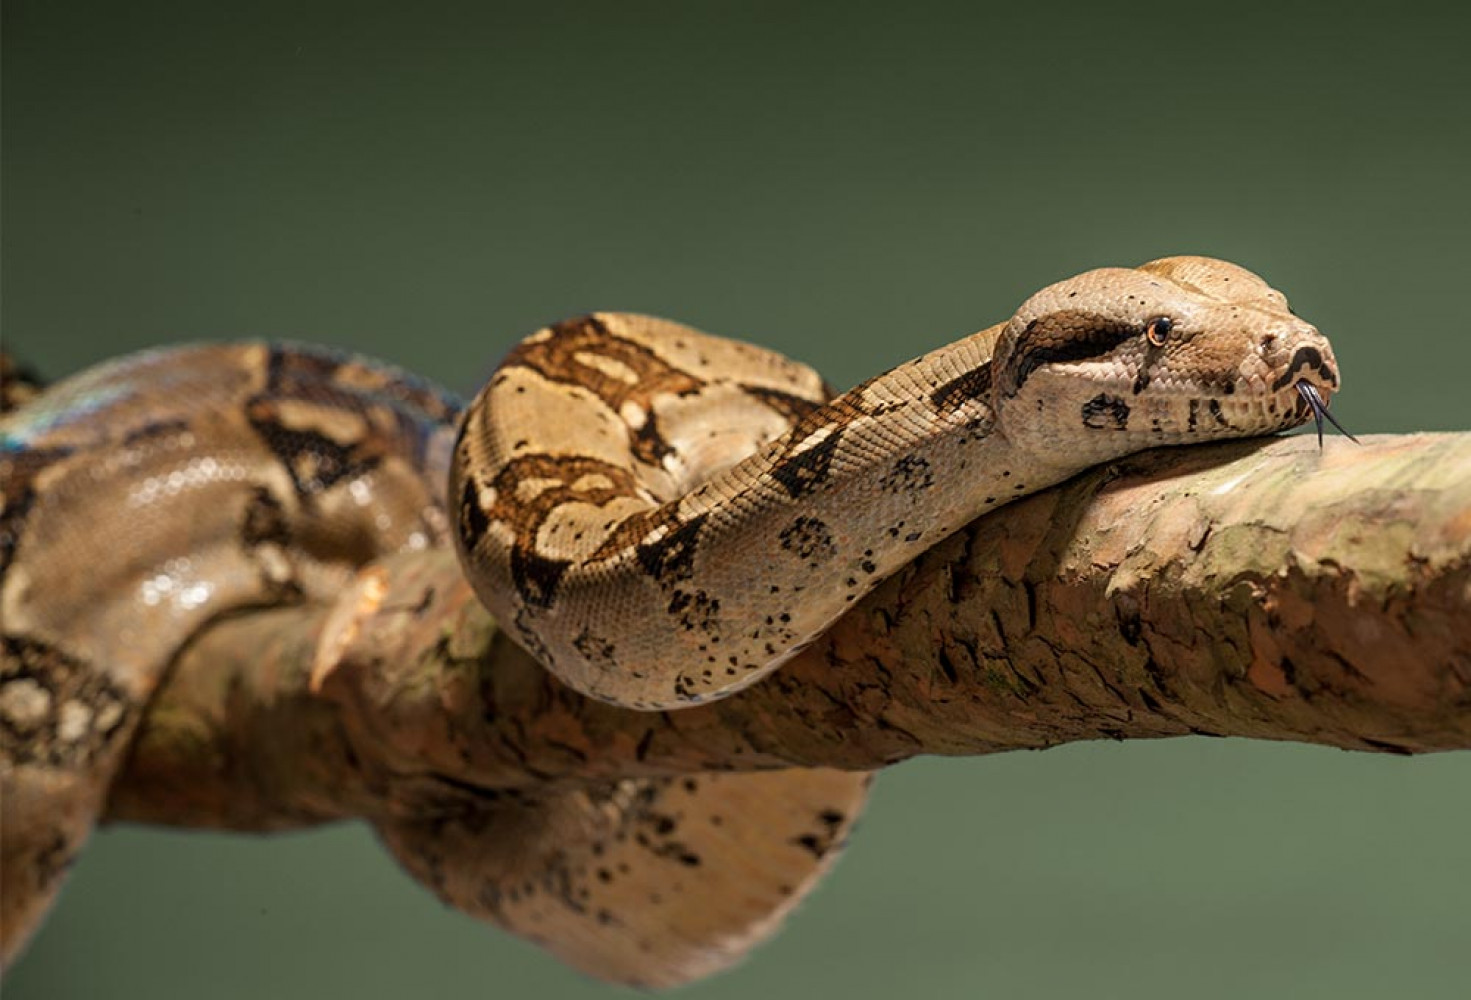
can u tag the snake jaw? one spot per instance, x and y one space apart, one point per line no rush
1319 407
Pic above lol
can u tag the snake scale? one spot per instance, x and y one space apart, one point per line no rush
661 517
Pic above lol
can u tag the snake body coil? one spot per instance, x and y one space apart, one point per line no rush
661 517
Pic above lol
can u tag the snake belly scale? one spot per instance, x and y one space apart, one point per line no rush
659 516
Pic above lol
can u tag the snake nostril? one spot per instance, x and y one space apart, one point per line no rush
1268 339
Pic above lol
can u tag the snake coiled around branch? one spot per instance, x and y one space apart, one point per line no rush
661 517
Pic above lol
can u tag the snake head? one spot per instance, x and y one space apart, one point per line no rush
1175 351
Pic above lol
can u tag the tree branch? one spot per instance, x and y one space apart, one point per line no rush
1260 589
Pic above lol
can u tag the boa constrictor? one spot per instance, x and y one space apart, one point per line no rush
660 516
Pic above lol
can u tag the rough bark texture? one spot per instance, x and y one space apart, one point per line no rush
1260 589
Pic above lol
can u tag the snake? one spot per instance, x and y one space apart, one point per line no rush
661 517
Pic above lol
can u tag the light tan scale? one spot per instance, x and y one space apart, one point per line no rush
645 883
660 516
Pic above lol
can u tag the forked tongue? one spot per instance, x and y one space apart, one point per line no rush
1309 392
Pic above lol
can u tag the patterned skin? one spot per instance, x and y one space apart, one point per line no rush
660 516
663 517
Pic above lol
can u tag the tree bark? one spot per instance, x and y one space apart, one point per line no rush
1264 589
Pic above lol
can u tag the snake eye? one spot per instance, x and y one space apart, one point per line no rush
1157 331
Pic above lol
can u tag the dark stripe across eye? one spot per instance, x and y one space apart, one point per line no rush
1064 337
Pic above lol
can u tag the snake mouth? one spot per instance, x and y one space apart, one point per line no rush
1315 402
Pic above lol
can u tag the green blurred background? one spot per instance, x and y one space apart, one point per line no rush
853 185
